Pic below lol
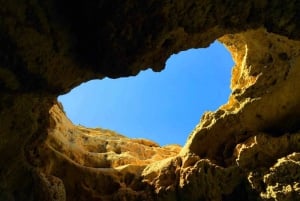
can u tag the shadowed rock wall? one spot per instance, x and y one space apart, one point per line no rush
246 150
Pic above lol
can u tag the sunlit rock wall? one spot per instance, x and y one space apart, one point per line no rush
246 150
96 164
249 148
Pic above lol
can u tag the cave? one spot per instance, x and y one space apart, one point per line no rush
163 107
249 148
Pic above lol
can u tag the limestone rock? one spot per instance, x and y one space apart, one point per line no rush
97 163
260 101
281 181
52 188
246 150
99 148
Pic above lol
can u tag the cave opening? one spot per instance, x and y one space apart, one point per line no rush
163 107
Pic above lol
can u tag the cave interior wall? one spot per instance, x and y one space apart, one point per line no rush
248 148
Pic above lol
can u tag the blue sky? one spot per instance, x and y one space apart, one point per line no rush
163 107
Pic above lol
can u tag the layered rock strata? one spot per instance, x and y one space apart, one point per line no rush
246 150
97 164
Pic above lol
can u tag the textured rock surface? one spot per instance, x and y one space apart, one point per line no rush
97 164
246 150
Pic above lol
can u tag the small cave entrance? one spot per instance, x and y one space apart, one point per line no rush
163 107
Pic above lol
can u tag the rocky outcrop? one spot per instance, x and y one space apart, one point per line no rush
246 150
97 164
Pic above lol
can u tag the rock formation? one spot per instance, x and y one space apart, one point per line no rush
249 149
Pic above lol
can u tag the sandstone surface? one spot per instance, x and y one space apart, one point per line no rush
97 164
246 150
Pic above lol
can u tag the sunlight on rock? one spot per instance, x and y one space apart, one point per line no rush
163 107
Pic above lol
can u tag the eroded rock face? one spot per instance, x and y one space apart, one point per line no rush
260 101
246 150
97 164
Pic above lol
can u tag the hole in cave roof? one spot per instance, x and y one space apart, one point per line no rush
163 107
